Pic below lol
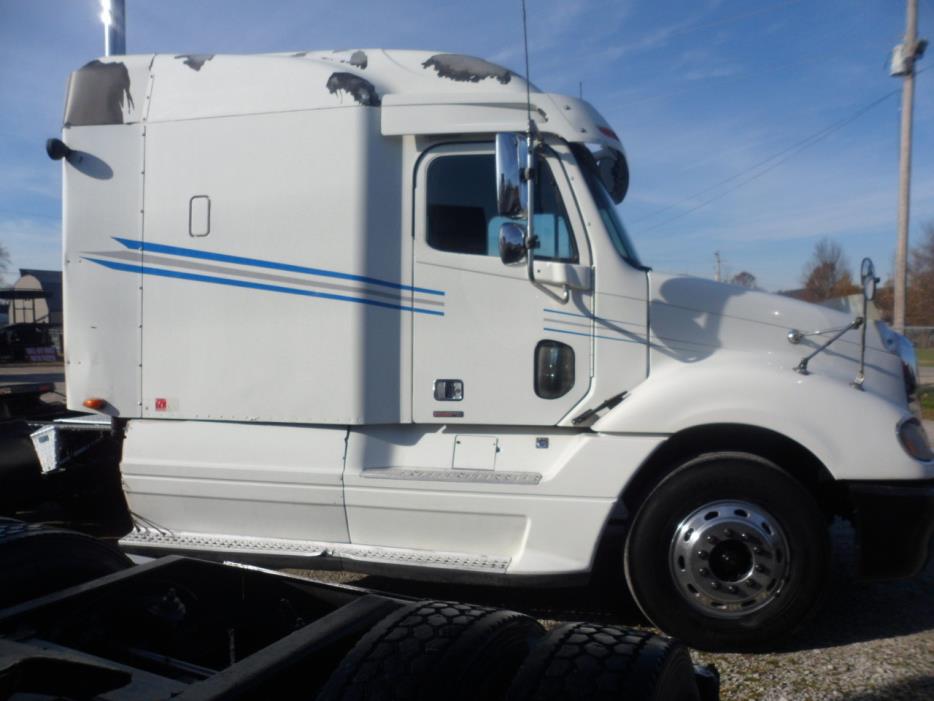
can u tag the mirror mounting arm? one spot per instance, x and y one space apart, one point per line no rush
529 173
802 367
867 271
531 240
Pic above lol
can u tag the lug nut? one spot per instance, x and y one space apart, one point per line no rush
703 571
752 584
732 589
712 539
757 550
728 532
702 554
715 585
744 536
760 569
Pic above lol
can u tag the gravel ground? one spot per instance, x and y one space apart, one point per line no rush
874 641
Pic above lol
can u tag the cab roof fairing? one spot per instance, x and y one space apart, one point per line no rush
418 92
569 118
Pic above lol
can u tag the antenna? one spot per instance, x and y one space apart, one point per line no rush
528 76
531 240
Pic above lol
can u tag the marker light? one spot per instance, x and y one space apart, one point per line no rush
914 440
95 403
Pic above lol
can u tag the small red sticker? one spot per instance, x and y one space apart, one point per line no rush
161 404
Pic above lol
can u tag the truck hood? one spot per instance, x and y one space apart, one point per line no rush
692 320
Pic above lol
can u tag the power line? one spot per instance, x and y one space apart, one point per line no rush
798 144
781 157
732 18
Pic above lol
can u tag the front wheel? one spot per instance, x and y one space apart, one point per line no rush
728 552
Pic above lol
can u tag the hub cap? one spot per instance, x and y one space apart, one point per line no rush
729 558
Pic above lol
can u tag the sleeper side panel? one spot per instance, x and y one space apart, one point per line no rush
102 199
291 309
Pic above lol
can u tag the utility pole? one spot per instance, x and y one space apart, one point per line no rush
113 17
903 64
716 254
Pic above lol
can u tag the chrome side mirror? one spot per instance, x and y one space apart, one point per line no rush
867 274
511 243
510 191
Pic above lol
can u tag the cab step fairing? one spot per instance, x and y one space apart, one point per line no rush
314 491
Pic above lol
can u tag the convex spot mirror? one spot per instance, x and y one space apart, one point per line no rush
614 172
511 243
511 193
867 273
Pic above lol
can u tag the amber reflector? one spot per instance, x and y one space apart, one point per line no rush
94 403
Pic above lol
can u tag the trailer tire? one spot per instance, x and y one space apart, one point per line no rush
435 650
585 661
728 552
36 560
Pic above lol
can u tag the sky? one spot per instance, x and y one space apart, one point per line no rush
752 127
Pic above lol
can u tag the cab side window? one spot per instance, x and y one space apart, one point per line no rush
462 215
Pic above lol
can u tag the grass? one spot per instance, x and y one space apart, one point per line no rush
926 356
926 398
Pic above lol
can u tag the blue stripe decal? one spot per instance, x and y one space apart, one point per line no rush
579 333
257 263
558 311
129 267
600 319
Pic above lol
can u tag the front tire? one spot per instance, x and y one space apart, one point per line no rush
728 552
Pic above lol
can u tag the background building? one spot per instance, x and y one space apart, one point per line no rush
35 298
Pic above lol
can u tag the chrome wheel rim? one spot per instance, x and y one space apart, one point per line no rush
729 558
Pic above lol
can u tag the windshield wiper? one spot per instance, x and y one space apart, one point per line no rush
605 404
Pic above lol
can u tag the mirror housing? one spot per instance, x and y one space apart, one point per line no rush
512 248
57 150
614 172
867 273
510 191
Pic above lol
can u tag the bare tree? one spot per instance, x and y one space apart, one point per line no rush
920 308
827 273
4 260
745 279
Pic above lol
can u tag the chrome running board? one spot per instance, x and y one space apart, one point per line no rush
152 538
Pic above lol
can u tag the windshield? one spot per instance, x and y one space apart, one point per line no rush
605 205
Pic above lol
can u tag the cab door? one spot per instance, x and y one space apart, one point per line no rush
489 350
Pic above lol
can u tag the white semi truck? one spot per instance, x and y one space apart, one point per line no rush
304 289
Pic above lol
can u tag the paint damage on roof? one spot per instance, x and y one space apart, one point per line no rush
357 60
98 93
360 89
417 92
195 61
467 69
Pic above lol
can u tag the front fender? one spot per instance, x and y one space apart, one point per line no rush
852 432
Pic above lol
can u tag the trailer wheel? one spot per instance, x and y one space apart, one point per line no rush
585 661
728 552
435 650
36 560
